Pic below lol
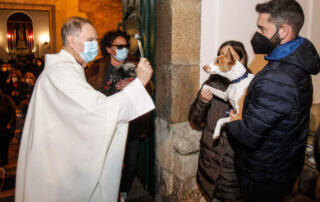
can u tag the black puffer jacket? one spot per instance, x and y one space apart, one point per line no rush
270 139
216 174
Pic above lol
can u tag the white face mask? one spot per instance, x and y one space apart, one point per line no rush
90 50
121 54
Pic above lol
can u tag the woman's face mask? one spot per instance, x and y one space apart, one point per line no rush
121 54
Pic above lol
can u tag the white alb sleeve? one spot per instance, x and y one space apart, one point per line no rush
136 101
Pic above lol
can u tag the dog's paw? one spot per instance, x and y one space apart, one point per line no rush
206 87
216 135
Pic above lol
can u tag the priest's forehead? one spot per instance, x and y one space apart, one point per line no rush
88 33
74 26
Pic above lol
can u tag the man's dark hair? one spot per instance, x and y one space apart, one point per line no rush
283 12
108 39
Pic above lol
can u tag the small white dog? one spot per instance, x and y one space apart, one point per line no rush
227 66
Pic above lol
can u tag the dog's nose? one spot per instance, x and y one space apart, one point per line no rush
205 68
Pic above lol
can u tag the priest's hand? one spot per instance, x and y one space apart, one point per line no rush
144 71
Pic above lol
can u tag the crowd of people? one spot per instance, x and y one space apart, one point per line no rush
17 79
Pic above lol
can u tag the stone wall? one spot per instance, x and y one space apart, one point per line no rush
177 77
104 14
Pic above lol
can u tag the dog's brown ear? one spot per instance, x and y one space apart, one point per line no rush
230 57
220 52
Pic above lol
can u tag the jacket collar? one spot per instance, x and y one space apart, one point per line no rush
286 49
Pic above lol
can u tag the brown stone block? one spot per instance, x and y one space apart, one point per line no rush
85 6
178 32
163 91
163 32
104 14
176 88
185 85
186 28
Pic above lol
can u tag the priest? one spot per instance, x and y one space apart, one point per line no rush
74 136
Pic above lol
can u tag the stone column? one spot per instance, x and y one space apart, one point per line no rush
177 83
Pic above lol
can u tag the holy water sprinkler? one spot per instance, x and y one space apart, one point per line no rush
137 37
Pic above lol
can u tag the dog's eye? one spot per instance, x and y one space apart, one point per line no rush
217 61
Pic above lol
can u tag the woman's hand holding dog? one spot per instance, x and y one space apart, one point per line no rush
122 83
205 95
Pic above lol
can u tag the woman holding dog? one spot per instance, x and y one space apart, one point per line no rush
216 175
104 76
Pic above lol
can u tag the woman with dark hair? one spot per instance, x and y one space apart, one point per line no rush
109 38
105 75
237 49
216 175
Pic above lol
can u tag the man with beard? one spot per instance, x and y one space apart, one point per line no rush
270 139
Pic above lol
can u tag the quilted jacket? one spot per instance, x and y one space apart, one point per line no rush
216 175
270 140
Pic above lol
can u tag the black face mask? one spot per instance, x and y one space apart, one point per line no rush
263 45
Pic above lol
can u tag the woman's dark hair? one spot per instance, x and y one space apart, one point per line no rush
108 39
239 48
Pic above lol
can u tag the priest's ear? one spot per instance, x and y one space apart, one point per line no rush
70 41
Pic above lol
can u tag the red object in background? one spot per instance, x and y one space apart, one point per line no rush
10 42
30 42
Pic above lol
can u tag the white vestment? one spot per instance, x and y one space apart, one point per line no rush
74 137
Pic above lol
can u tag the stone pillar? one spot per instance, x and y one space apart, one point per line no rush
177 83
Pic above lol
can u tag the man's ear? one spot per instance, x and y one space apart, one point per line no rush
70 41
284 31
